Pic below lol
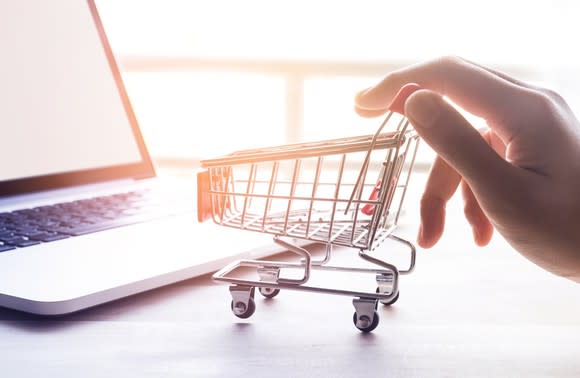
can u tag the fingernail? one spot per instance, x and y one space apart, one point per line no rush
423 109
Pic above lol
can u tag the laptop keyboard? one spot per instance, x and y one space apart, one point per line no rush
24 228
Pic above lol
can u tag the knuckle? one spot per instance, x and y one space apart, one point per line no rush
429 201
391 78
540 102
553 95
446 67
470 210
395 79
448 62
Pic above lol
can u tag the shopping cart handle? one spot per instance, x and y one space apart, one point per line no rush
398 103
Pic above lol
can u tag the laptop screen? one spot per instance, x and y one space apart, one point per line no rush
64 115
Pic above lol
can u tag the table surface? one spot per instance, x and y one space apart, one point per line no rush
465 311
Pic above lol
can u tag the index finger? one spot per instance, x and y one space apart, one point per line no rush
475 89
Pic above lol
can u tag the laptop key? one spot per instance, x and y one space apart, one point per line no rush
48 237
26 243
25 230
20 241
6 247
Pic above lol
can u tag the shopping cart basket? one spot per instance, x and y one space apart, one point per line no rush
341 192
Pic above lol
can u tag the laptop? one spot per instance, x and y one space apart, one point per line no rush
84 219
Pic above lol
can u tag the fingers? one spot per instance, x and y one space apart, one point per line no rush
441 184
480 224
370 113
553 95
502 75
477 90
459 144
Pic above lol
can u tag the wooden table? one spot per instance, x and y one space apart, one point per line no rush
464 312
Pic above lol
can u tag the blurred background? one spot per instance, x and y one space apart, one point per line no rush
255 73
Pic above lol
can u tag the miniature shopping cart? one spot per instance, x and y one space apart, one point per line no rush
341 192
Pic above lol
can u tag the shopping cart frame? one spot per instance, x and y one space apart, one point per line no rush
216 186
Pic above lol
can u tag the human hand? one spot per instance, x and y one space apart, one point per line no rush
521 176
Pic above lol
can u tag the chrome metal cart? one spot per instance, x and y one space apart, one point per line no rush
342 192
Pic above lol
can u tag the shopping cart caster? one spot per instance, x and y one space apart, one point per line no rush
269 292
269 274
366 317
243 305
243 310
385 282
385 302
364 324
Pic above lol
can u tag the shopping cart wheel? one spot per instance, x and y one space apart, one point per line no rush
243 310
364 324
243 305
365 316
269 292
388 303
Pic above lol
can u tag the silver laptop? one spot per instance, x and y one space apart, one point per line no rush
83 218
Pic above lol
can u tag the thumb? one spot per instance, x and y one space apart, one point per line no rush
458 143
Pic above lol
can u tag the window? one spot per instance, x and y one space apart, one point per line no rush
201 114
210 77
